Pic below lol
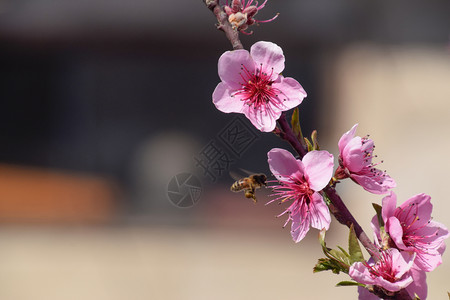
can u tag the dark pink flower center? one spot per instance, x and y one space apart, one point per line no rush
257 90
383 268
413 235
299 192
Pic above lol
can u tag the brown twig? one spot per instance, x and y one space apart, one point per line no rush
287 135
231 34
343 216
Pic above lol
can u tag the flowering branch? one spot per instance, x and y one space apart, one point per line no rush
231 34
410 242
337 207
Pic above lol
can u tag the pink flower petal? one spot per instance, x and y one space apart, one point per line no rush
283 164
389 204
223 100
376 230
353 155
346 137
318 168
292 93
320 215
359 272
434 234
421 205
230 67
364 294
269 55
428 261
442 247
393 286
395 230
300 229
402 262
263 120
372 185
442 232
419 284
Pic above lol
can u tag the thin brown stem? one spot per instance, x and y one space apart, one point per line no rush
223 24
343 216
288 135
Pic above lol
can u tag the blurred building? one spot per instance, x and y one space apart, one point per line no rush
102 102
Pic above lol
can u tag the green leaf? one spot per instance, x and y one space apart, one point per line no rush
349 283
343 251
336 261
295 122
341 256
378 209
314 140
328 264
353 247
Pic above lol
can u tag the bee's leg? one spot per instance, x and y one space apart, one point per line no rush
253 195
250 193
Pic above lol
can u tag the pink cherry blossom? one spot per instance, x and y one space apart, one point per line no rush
241 12
412 229
300 181
355 161
417 286
392 272
252 85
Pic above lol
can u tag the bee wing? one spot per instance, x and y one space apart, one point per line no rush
247 172
236 176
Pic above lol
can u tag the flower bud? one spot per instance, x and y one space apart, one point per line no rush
237 20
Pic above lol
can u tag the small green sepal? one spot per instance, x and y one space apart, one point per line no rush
295 122
378 209
350 283
308 144
385 237
314 140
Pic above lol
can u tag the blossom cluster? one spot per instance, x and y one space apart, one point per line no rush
410 243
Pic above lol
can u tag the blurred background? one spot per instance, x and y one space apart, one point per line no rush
104 102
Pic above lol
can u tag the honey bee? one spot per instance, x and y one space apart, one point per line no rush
249 184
